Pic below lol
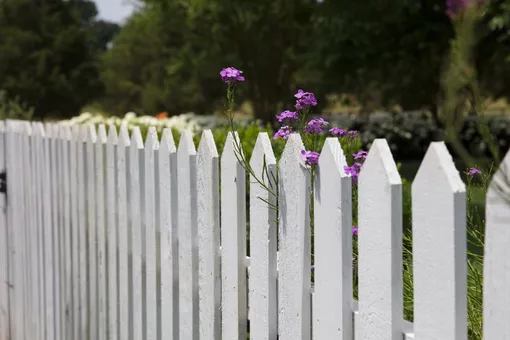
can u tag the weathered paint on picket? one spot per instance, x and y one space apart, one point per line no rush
380 245
167 228
208 216
187 234
332 304
83 182
439 248
111 232
233 241
294 274
263 238
496 298
151 152
123 231
136 158
66 136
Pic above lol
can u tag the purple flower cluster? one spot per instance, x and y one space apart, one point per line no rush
310 157
354 230
353 171
231 75
290 115
284 132
305 100
316 125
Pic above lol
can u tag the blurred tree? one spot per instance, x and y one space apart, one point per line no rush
46 57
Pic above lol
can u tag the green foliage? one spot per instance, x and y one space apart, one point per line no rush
46 58
13 108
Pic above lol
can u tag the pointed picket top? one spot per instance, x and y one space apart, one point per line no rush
136 138
496 298
207 146
230 149
439 163
91 134
439 248
151 141
76 132
292 151
261 150
167 141
101 134
332 155
26 128
112 137
380 161
380 245
186 145
124 136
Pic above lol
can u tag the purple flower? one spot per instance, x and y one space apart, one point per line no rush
352 134
231 75
360 155
354 230
287 115
315 125
304 100
473 171
353 171
338 132
284 132
310 157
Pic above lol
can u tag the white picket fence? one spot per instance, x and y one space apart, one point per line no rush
108 238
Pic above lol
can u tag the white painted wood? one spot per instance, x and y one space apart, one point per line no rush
332 309
66 136
439 247
83 233
233 242
99 201
188 254
74 146
123 233
496 295
136 158
208 215
111 230
263 238
167 227
151 150
59 199
380 245
4 246
294 244
91 230
40 178
48 239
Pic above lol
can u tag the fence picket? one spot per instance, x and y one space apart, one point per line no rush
294 244
263 237
380 245
439 247
74 145
188 253
83 233
136 157
151 153
233 241
111 232
208 215
59 183
167 227
332 304
123 232
496 297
